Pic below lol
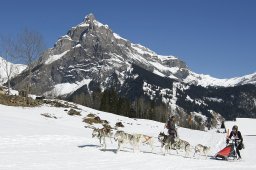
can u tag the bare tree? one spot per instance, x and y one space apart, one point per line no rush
8 53
30 46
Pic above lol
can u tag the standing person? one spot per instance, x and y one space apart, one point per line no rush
237 136
171 126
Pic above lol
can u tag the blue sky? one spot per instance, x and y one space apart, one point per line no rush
216 37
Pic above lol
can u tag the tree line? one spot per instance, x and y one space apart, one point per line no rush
141 107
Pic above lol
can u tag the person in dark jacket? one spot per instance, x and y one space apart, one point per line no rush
237 136
171 126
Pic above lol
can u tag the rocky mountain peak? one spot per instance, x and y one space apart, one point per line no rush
91 59
97 43
89 17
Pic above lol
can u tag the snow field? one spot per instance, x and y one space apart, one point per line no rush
30 141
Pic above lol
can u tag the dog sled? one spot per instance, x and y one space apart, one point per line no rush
227 153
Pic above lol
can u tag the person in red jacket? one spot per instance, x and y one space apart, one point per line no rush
237 136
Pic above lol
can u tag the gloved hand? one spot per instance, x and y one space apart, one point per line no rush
227 141
242 145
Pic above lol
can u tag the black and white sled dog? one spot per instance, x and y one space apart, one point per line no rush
167 142
101 134
180 144
125 138
202 150
133 139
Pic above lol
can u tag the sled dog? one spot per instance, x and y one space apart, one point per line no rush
123 138
101 134
145 139
202 150
167 142
182 145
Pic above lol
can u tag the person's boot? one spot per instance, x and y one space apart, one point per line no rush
239 156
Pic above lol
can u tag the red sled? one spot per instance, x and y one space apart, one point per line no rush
227 152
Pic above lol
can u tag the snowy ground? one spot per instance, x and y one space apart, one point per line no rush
30 141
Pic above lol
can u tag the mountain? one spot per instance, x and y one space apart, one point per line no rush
17 69
94 66
206 80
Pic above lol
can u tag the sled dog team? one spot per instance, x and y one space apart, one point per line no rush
135 140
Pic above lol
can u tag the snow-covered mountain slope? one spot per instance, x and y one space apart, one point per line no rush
91 50
17 69
91 59
29 140
206 80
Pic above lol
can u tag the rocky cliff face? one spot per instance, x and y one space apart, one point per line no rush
92 63
91 50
